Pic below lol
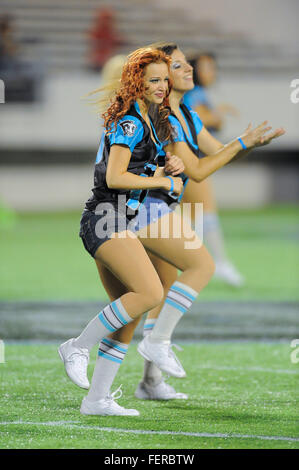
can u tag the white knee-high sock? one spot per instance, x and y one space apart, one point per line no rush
179 299
152 375
111 318
110 356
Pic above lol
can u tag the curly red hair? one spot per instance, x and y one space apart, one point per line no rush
132 87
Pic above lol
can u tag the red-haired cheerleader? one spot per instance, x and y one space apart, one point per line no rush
125 170
190 137
127 273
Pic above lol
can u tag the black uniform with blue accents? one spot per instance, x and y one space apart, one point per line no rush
159 202
103 213
194 126
133 132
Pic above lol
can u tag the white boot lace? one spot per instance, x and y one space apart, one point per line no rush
116 394
80 358
110 399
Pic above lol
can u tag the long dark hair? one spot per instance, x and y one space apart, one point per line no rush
194 62
166 47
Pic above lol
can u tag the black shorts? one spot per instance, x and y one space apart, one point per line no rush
97 228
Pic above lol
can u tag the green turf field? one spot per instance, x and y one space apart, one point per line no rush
242 393
43 258
246 392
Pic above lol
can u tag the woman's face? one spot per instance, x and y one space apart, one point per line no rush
206 70
156 80
181 72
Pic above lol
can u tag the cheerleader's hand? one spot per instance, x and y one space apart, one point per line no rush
265 140
173 165
258 137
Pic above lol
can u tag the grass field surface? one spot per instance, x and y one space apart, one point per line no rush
241 395
42 257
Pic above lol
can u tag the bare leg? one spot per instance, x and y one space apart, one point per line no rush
127 259
106 367
116 289
197 268
130 264
200 192
168 275
152 385
195 263
123 259
152 375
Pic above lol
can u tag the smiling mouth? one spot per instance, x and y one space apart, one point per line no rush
159 95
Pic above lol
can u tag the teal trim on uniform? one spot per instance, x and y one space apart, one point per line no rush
133 204
101 148
136 106
182 193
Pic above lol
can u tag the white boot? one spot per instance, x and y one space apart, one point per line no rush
162 391
161 354
106 406
75 362
225 271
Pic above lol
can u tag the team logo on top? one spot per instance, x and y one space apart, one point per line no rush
128 127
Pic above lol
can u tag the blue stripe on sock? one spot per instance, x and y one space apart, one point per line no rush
102 319
113 345
149 325
175 305
115 307
110 358
182 291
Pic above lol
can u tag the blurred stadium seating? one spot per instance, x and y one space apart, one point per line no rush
56 30
59 131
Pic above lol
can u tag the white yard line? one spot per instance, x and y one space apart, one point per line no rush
77 425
